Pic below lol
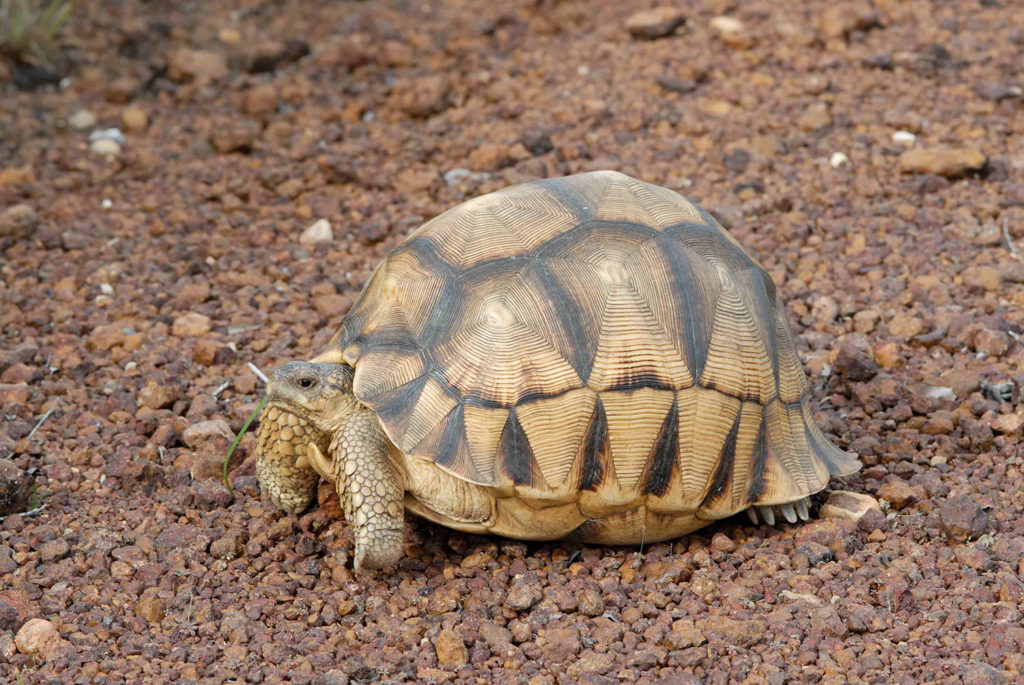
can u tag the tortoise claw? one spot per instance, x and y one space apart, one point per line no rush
752 515
801 509
768 514
788 512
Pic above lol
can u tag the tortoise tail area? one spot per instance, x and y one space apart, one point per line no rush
794 458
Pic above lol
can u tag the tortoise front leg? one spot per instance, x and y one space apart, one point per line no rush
372 490
282 467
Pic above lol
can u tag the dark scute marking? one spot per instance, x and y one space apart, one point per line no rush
514 452
535 396
586 530
425 248
582 346
398 338
726 459
752 292
595 448
767 316
836 460
352 326
566 195
769 289
745 397
760 461
640 380
486 403
452 438
446 317
553 247
699 316
707 241
665 456
593 230
395 406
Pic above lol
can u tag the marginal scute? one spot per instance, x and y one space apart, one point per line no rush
590 342
484 426
701 437
555 427
635 419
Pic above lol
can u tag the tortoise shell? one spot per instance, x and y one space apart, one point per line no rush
589 338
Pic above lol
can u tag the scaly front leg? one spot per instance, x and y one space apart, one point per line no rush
372 490
283 469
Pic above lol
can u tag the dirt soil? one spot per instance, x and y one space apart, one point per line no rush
870 155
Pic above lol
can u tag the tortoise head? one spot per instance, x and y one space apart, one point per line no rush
318 392
306 403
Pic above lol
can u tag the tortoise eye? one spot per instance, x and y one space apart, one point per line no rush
306 383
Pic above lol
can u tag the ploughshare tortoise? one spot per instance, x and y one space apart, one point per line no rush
590 357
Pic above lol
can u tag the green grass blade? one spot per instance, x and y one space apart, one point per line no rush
19 23
238 439
56 22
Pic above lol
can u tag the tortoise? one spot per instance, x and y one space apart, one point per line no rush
588 357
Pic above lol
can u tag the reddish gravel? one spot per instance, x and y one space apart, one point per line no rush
139 278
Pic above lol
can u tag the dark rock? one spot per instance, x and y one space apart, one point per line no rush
815 553
276 54
655 23
524 594
18 222
855 360
677 85
962 518
15 488
737 161
537 142
982 674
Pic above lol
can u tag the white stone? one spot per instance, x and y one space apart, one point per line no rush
37 638
904 138
838 159
113 134
724 24
455 176
82 120
318 232
938 392
105 147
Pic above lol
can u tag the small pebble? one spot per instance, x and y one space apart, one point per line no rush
82 120
848 505
725 24
904 138
134 118
655 23
105 147
317 232
838 159
456 176
113 134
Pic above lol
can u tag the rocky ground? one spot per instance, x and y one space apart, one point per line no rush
870 155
